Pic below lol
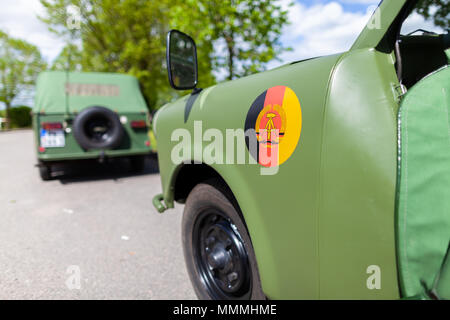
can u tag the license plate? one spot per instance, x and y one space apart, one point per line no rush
52 139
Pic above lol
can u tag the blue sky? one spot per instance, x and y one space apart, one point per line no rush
318 27
350 5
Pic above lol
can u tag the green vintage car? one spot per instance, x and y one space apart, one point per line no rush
327 178
82 115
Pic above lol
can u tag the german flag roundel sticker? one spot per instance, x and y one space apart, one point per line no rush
274 122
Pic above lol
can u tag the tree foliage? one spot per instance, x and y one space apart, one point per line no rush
250 32
70 59
20 117
240 36
20 64
116 36
129 36
436 10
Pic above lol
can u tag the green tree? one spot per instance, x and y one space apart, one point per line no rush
245 33
436 10
250 31
129 36
20 64
116 36
70 58
120 36
20 117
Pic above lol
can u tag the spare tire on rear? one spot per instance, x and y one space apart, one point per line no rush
98 128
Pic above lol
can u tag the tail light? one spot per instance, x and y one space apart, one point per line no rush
147 143
138 124
51 125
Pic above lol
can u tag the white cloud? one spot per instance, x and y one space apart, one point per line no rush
416 21
19 19
321 29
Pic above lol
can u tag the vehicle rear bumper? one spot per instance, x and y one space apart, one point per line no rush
97 154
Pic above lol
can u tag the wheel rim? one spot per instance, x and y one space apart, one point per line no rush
221 258
98 129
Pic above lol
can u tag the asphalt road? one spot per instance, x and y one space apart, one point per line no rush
91 233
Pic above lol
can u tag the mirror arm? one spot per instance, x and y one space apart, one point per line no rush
196 91
190 102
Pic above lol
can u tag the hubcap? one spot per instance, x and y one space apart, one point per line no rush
221 257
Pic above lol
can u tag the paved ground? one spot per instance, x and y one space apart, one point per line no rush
97 220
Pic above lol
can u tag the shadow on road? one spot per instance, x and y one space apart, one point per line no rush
92 170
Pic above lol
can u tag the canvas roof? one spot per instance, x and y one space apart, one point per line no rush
55 90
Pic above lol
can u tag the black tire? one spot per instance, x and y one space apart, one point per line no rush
98 128
45 172
217 248
137 163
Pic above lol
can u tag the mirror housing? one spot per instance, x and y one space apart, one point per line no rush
181 55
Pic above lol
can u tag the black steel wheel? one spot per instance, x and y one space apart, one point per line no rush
218 251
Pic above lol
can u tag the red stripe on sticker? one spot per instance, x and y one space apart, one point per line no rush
275 95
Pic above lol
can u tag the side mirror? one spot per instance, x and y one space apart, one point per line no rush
181 55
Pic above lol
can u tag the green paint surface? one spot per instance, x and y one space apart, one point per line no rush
328 216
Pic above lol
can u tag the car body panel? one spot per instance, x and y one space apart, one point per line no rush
327 219
358 178
134 142
270 228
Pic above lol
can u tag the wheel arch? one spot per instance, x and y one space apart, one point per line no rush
187 176
190 175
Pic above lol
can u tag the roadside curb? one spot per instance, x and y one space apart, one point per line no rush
13 130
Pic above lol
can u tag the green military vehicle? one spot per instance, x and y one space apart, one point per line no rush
79 115
333 181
